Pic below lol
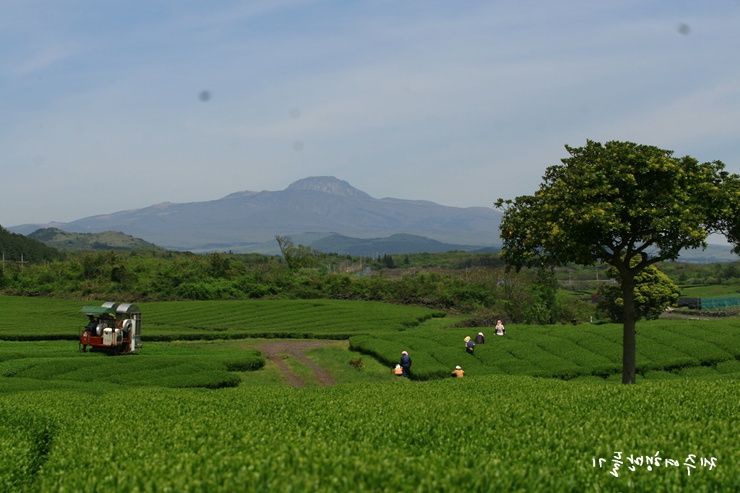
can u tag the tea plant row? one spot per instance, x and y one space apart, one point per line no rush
486 433
561 351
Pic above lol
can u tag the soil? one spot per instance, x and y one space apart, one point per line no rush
278 351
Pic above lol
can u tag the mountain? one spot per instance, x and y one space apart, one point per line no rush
320 204
107 240
328 184
15 247
372 247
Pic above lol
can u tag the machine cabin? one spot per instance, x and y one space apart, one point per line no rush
112 327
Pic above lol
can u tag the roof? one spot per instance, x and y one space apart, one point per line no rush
127 309
97 310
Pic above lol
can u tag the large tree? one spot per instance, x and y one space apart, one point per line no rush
623 204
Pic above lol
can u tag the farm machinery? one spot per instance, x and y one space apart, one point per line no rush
114 328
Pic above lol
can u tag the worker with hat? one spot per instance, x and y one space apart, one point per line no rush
469 345
458 372
405 364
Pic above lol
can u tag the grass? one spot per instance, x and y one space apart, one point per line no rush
336 359
711 290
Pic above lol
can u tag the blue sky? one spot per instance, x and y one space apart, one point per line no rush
455 102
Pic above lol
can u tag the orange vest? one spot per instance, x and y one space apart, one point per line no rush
458 373
398 371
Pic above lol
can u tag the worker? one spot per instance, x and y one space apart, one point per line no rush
458 372
405 364
90 327
480 338
469 345
500 329
398 371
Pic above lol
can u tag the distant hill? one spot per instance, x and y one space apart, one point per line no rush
347 245
394 244
107 240
712 254
15 247
320 204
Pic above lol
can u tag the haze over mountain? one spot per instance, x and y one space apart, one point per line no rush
322 204
394 244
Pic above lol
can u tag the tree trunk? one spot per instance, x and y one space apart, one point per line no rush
628 331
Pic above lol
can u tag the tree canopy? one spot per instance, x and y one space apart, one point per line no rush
296 256
624 204
608 201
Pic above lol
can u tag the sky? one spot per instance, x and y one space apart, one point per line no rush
112 105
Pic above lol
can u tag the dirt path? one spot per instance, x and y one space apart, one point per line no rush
279 351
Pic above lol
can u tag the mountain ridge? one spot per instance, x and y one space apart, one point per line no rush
321 203
399 243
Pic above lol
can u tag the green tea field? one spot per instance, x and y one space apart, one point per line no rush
540 409
478 434
664 348
27 318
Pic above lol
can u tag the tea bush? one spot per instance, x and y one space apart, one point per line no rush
204 365
488 433
561 351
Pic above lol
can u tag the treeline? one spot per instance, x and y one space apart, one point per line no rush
682 273
575 276
475 284
17 248
492 292
686 274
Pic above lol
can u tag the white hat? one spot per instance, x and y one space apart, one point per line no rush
480 333
467 338
458 367
404 352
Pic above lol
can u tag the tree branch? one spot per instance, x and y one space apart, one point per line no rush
645 245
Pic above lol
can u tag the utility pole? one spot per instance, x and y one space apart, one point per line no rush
3 261
22 261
